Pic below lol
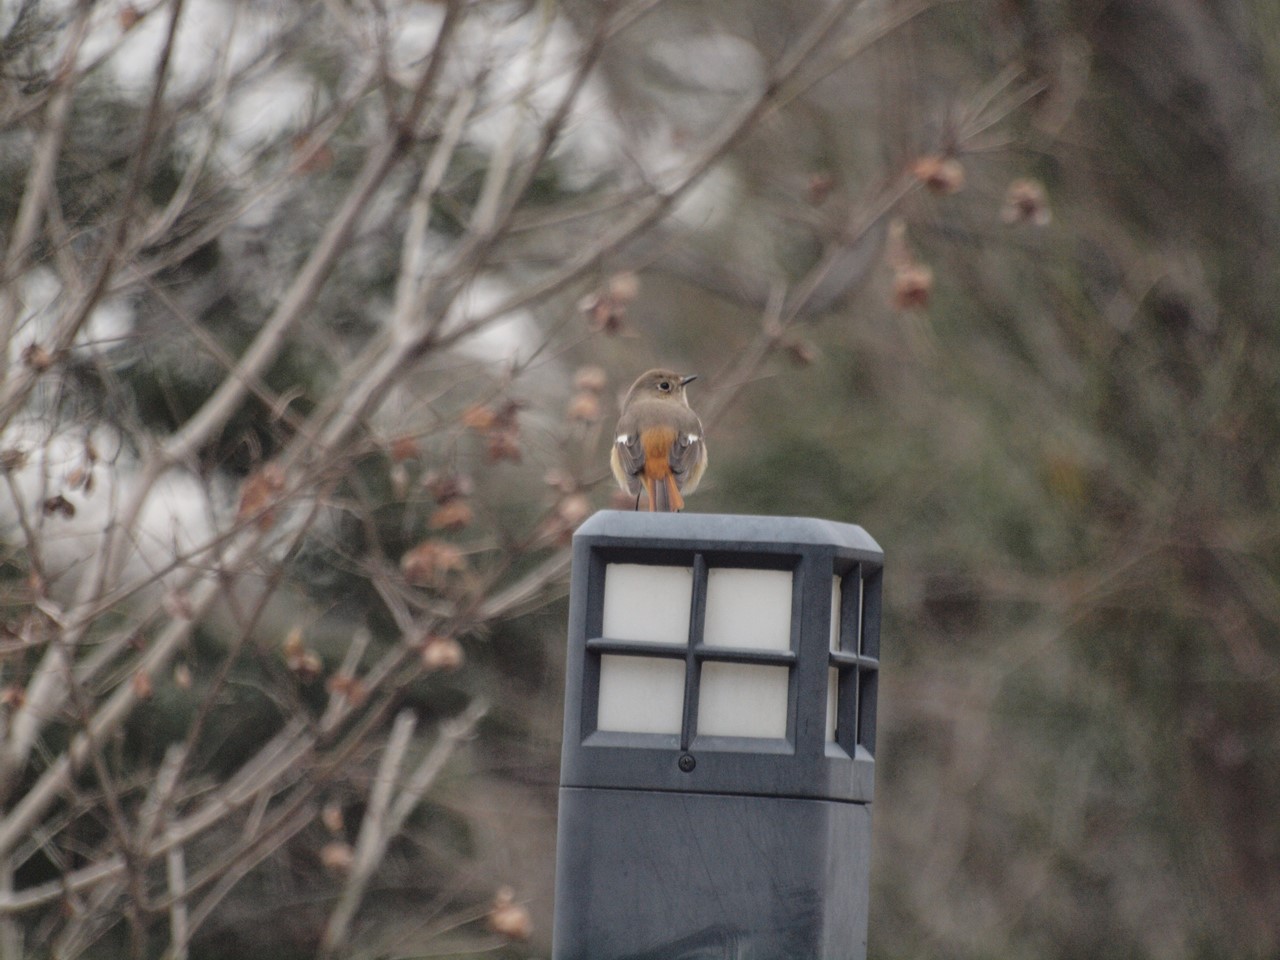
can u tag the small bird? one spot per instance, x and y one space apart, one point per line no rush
658 446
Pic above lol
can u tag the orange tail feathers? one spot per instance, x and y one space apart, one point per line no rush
664 495
674 497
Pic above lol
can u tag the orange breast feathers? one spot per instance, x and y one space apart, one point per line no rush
657 443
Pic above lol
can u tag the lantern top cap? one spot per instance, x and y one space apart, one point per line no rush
728 527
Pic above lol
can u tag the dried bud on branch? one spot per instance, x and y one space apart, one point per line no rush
912 287
442 653
819 187
479 418
331 817
37 358
302 661
560 480
573 509
448 485
259 494
13 697
59 505
592 379
453 514
802 352
404 448
81 478
508 918
568 514
606 309
427 564
500 426
504 445
345 685
912 280
398 477
337 856
1026 202
293 645
142 686
584 407
940 174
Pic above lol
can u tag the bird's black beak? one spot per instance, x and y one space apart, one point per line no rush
687 380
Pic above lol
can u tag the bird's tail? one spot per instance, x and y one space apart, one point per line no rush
664 495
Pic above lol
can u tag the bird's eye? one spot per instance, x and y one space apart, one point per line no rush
664 386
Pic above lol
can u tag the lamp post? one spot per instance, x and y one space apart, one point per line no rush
717 772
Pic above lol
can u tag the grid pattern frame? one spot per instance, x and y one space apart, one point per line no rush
696 652
855 658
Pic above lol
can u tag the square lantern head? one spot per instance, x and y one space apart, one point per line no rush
720 653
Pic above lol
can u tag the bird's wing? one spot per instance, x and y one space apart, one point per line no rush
688 458
685 452
628 460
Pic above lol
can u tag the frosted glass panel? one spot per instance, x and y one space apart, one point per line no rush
833 694
640 694
642 602
748 608
835 613
742 700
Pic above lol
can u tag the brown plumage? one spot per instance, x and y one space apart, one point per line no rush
658 446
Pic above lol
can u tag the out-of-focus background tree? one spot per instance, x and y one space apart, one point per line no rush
316 315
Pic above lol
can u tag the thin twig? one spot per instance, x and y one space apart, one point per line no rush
39 188
179 919
10 932
372 840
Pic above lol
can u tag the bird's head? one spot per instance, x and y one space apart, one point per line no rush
661 385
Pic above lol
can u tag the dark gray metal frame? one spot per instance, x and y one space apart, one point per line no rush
801 765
